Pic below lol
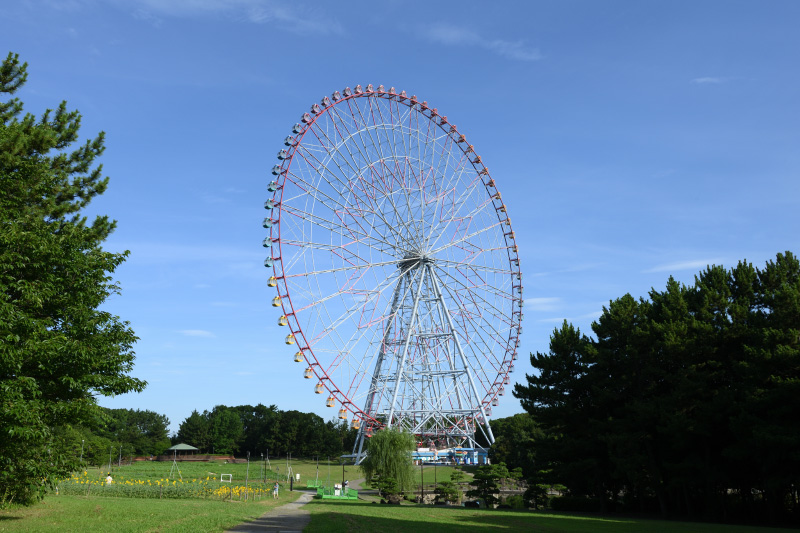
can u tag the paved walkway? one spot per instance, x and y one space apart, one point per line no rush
286 518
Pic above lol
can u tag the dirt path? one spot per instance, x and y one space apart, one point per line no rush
286 518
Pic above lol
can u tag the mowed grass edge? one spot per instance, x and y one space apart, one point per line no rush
129 515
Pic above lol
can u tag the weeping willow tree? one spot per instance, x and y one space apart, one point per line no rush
388 463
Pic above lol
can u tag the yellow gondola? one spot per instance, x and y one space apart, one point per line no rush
272 281
356 424
308 373
276 302
289 339
330 401
318 388
283 321
343 413
298 357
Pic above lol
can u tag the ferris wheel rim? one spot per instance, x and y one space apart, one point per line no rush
290 312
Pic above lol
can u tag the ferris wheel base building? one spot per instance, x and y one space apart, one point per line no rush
396 268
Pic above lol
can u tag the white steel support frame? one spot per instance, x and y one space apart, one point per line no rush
438 420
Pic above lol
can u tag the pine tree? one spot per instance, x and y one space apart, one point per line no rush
58 350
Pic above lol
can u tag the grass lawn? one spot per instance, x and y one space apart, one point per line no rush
78 513
277 466
357 516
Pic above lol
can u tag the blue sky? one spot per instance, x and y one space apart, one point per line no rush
631 141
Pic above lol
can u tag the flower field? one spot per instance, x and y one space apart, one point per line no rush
137 486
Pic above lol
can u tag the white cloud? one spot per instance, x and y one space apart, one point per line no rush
697 264
553 320
197 333
291 16
455 36
709 80
542 304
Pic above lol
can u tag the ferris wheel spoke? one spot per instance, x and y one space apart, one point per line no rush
344 184
475 267
346 231
383 157
368 159
474 294
466 238
377 147
341 269
455 216
340 229
333 325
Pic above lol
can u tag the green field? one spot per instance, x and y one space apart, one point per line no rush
276 468
358 516
130 515
78 513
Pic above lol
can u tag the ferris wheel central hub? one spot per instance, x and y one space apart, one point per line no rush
414 260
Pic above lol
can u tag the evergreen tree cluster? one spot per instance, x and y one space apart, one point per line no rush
685 404
260 429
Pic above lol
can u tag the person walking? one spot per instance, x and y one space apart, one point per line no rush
275 490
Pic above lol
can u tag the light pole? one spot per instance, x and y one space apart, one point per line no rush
421 481
82 450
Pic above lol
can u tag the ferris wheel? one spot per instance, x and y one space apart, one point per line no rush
396 267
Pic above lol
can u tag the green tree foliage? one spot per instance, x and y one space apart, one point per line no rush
514 442
195 431
389 460
139 432
450 491
687 400
226 430
265 430
485 483
58 350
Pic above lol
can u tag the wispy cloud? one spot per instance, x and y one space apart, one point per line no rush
291 16
450 35
197 333
696 264
710 80
542 304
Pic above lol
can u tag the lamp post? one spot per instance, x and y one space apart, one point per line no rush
82 450
421 481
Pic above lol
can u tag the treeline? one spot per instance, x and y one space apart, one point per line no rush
114 434
260 429
119 434
685 404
